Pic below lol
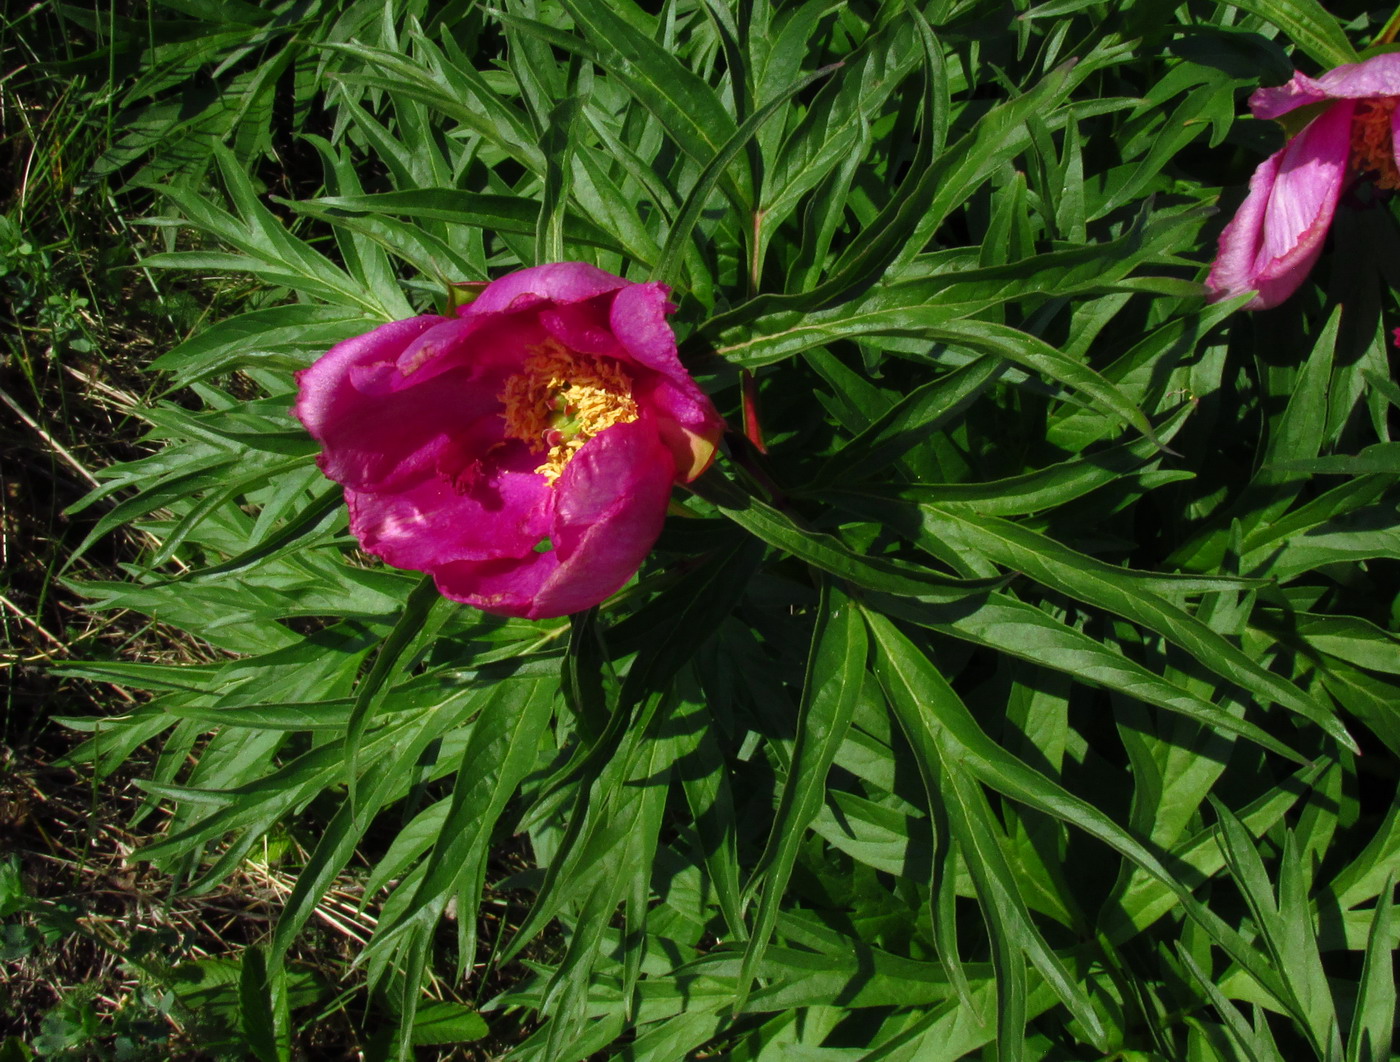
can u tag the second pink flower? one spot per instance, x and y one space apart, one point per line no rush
1273 241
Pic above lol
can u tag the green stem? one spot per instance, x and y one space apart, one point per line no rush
1391 30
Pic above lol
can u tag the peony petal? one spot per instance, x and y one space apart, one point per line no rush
1395 135
1310 178
1274 240
1376 77
583 327
320 385
687 420
559 282
504 512
638 319
610 507
507 587
380 430
489 347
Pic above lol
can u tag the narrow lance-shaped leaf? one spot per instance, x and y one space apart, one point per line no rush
920 697
262 1007
684 104
501 750
1373 1018
412 623
558 150
827 553
1310 25
667 265
1112 588
835 672
1020 629
1004 773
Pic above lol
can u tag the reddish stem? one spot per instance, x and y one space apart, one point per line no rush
752 429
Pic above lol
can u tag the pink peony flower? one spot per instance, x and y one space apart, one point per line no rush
1273 241
523 451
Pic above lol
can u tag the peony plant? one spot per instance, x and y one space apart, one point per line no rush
970 721
522 451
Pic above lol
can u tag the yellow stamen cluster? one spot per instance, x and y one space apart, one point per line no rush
1372 149
559 400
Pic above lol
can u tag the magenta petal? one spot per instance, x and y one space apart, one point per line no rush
1274 239
1376 77
687 406
582 327
1395 135
434 522
1310 179
378 430
320 386
558 282
638 319
611 505
686 417
506 587
490 347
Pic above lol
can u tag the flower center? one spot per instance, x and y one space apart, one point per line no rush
1372 149
559 400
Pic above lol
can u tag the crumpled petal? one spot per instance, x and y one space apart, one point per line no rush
376 431
487 348
1375 77
502 512
610 506
556 282
1273 241
1395 136
583 327
691 427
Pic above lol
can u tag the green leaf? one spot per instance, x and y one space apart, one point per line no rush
1020 629
414 622
300 332
1310 26
1038 356
667 265
558 151
1118 591
1286 929
921 412
901 668
452 89
1381 458
938 727
827 553
835 671
1373 1020
1143 899
502 748
685 105
262 996
495 213
1049 487
446 1022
